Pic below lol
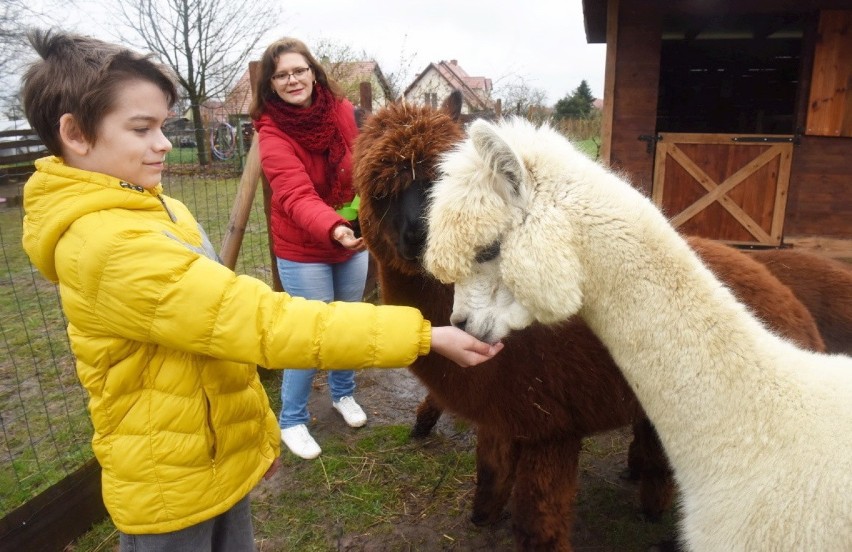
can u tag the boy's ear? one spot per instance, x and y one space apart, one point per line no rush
71 136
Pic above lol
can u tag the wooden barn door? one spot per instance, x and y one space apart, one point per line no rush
727 187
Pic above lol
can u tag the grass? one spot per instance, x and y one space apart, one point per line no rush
362 487
590 147
358 486
182 156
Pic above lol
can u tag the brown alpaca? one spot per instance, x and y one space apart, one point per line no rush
824 286
531 405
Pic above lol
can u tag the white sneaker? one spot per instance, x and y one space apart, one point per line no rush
300 442
351 412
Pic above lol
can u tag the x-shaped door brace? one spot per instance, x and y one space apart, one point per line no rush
717 192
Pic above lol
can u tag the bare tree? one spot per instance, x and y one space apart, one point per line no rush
12 34
15 51
400 77
337 58
206 42
518 98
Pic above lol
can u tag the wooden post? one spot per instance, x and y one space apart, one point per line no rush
366 92
240 212
267 209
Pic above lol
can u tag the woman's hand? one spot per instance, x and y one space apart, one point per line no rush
346 237
461 347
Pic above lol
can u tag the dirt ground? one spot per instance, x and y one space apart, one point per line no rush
606 520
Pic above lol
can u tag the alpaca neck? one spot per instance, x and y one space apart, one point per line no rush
432 298
691 353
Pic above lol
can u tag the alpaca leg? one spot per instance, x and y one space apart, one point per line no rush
546 486
634 455
656 483
428 414
496 457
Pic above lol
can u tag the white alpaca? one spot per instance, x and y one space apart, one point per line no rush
759 433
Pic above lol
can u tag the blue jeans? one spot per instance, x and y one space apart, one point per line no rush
228 532
326 282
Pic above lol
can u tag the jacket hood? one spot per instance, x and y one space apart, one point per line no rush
263 121
56 195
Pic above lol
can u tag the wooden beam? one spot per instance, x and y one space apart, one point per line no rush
58 516
609 82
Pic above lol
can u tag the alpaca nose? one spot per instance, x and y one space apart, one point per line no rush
460 324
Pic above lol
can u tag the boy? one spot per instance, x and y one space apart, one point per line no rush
166 339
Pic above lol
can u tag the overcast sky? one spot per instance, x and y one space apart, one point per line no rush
542 42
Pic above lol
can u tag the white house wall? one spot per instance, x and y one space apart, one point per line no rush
431 83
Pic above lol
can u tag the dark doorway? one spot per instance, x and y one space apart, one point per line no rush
730 74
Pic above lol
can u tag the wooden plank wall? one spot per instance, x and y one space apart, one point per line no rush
820 202
18 151
632 80
830 99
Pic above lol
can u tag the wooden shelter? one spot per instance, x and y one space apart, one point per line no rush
735 116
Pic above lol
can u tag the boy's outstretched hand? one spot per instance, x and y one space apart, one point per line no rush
461 347
273 468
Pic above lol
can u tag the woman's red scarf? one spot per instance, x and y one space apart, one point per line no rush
315 129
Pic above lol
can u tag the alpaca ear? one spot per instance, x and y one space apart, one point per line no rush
500 157
452 105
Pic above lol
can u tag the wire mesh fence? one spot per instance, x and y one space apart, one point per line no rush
45 430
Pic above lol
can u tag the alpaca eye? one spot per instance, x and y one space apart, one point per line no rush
488 253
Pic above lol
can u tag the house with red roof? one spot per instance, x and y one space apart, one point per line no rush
351 74
438 80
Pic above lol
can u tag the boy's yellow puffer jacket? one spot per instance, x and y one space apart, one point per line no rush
167 340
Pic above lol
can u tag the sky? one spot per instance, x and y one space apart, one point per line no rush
540 42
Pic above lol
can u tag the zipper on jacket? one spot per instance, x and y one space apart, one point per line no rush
211 434
166 207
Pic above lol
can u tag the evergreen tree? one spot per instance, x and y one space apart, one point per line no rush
577 105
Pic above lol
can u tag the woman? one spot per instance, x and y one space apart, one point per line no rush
306 129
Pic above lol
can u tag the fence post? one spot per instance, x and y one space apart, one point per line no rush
233 240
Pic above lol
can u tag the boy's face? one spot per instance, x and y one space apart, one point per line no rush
131 144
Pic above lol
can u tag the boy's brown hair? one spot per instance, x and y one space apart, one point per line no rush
81 75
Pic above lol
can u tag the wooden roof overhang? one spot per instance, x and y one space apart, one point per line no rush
681 14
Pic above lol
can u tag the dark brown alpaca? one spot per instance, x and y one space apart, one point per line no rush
824 285
531 405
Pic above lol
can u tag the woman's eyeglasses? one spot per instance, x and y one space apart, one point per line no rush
299 73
